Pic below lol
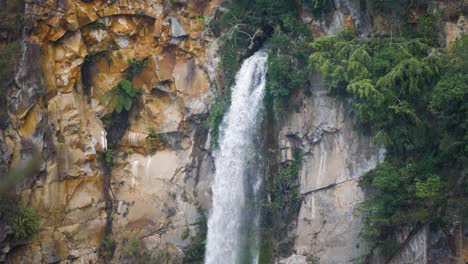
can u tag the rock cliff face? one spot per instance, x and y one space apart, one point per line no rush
335 155
75 51
329 224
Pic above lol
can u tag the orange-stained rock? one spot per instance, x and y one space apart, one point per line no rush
190 79
97 40
348 22
122 25
56 33
69 197
86 12
71 22
165 66
454 30
157 28
30 122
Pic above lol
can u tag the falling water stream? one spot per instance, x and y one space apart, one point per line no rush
232 221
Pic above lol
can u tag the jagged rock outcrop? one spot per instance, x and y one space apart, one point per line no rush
74 53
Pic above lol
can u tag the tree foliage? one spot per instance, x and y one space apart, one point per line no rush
414 99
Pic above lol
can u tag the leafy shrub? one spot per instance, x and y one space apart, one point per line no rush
120 97
413 99
430 188
26 224
285 74
426 25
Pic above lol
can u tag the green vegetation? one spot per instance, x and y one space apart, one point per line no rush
24 221
97 25
155 137
135 68
280 205
319 7
313 260
107 248
287 62
151 147
414 100
120 97
26 224
185 234
134 251
108 157
219 107
164 257
132 246
119 100
194 252
243 29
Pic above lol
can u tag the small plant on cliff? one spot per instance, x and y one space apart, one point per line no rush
155 135
194 252
97 25
120 97
107 247
134 251
135 68
219 107
151 146
132 246
26 224
185 234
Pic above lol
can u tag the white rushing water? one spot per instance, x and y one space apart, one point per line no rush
234 180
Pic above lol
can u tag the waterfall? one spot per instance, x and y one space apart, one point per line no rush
236 182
